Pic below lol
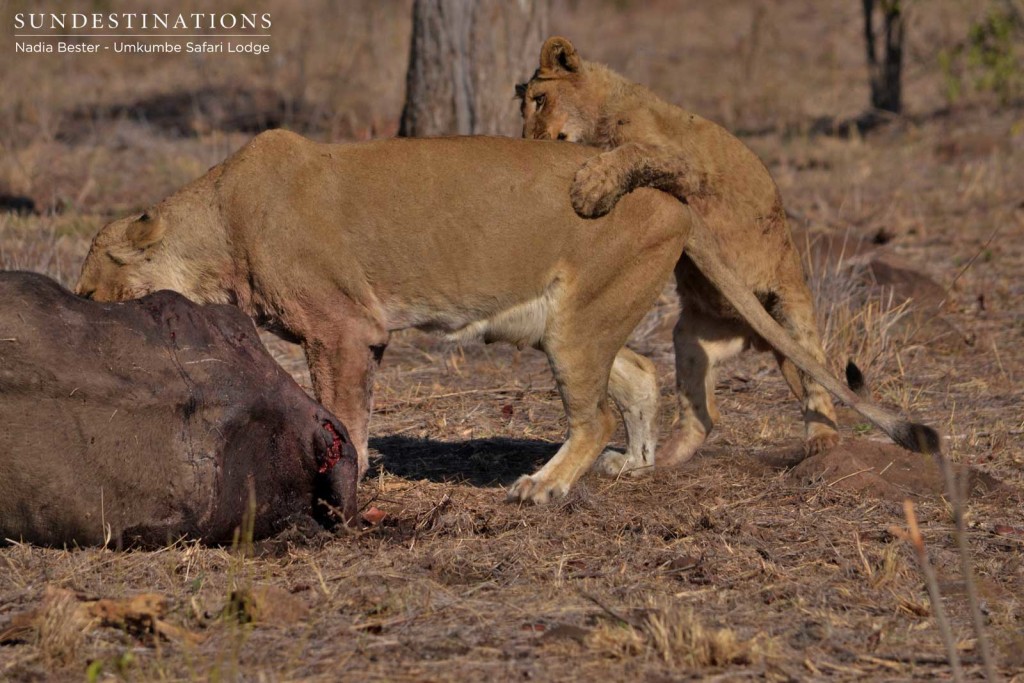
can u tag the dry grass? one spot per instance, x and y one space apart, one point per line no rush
727 568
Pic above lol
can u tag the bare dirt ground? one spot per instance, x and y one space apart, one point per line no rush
737 565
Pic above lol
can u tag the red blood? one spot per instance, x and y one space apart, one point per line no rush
334 452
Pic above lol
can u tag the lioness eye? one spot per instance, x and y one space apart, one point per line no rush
539 100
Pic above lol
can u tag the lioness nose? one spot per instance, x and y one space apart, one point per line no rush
562 136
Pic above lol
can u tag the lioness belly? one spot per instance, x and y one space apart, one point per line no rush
522 324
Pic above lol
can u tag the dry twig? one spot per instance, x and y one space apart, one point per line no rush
933 591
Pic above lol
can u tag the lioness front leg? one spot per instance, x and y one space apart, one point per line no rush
342 372
581 363
603 180
584 395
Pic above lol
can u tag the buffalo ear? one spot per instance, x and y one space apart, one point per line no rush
558 54
147 231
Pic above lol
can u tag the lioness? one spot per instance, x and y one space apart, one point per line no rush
652 143
336 246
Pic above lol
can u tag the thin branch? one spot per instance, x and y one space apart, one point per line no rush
934 596
956 499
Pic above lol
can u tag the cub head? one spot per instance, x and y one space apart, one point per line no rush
562 101
128 259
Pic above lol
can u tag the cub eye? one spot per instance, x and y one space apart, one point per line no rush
539 100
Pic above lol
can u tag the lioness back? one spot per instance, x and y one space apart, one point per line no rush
484 255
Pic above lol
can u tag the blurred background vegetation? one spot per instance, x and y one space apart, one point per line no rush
84 132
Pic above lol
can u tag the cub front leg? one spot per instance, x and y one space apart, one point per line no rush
601 181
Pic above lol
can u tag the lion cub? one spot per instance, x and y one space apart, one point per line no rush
652 143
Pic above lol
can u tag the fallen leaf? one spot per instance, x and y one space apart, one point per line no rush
373 515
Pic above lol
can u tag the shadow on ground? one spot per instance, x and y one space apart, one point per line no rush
874 469
477 462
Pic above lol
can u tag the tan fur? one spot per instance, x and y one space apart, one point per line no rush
652 143
336 246
741 249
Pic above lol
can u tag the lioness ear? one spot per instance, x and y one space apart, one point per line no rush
145 232
520 91
558 54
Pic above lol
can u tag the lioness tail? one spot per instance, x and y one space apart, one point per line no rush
703 251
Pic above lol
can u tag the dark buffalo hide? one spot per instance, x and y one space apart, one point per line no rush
150 420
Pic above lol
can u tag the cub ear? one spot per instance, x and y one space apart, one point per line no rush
558 54
145 232
520 91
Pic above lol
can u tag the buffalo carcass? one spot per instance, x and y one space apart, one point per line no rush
141 422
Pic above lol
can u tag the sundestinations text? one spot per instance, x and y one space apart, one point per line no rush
143 21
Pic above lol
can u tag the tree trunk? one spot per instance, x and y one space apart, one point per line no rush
885 73
465 59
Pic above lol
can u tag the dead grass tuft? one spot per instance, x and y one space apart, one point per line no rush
681 638
857 321
60 627
617 641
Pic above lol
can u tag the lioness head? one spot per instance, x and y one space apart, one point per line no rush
556 104
134 256
120 261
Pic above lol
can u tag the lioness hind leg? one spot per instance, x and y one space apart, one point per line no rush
701 342
581 374
797 315
633 386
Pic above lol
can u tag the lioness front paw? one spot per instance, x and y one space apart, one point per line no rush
597 187
613 463
533 489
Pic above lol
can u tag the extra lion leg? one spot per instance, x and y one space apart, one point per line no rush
633 386
701 342
796 314
342 370
602 180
